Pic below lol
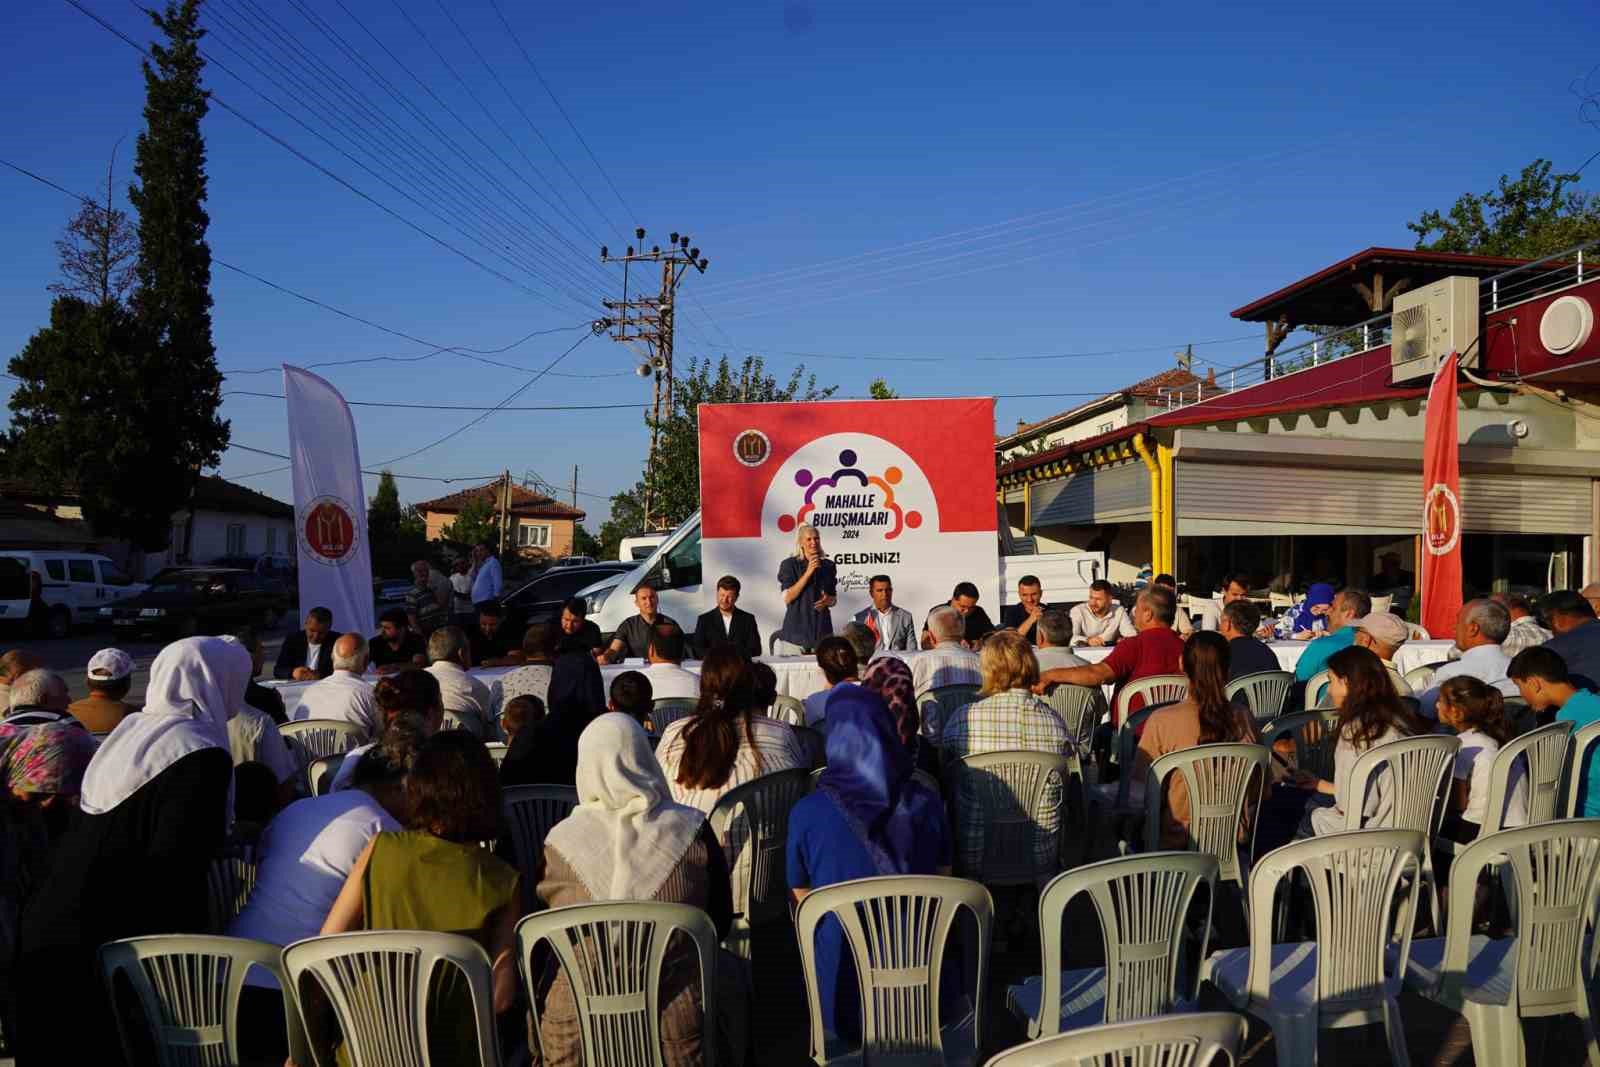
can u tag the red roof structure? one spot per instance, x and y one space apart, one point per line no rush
524 502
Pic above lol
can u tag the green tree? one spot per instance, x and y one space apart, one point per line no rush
627 518
585 543
879 389
476 521
397 535
1536 214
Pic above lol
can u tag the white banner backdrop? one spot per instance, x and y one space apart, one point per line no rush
330 512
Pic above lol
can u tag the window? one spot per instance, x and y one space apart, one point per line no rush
56 569
681 563
1105 427
272 540
532 536
110 575
13 579
81 570
236 531
176 548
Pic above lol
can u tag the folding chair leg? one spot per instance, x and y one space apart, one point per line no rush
1395 1031
1591 1038
1496 1036
1296 1043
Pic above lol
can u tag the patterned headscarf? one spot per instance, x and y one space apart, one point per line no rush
890 677
48 758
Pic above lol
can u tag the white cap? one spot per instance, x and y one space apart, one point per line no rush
110 665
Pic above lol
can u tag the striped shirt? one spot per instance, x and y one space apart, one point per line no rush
777 748
949 663
1014 720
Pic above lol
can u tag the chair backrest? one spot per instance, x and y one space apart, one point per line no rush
1579 754
612 955
1314 736
1316 694
789 709
1365 905
1543 754
1553 866
1278 601
311 739
381 987
1382 604
230 878
1401 686
1081 707
531 811
188 989
1265 692
1201 1039
1413 771
814 743
896 929
946 699
1155 689
1012 791
1420 679
451 721
1127 744
752 822
1418 633
1220 779
320 773
668 710
497 751
1142 901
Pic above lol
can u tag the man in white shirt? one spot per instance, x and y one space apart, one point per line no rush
464 696
1481 630
344 694
838 662
1054 633
252 735
1101 620
948 662
668 679
487 581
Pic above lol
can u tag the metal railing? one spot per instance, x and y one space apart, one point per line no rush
1541 277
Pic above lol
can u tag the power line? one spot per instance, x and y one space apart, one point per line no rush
450 407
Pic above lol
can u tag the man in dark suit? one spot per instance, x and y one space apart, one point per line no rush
894 627
726 624
1024 615
307 656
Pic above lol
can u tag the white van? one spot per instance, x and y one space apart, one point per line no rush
76 585
674 566
638 548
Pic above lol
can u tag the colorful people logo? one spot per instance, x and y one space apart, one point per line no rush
847 470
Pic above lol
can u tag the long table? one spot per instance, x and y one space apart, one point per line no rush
799 676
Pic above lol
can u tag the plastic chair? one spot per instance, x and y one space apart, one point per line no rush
1220 779
752 822
531 811
789 709
497 751
1496 984
668 710
945 699
1314 737
188 988
1382 604
230 879
1420 679
1016 794
1201 1039
1579 755
896 930
612 955
380 985
1142 902
1155 689
1316 692
1418 770
814 743
1081 707
1265 692
1418 633
320 773
311 739
1113 802
919 776
1544 754
1364 887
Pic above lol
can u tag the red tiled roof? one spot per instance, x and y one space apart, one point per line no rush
524 502
1427 267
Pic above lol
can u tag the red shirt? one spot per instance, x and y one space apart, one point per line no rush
1158 650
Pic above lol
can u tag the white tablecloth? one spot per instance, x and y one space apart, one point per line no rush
799 676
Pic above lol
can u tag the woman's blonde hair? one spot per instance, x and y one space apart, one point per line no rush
1007 662
800 541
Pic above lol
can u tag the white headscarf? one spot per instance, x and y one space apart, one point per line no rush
196 686
626 834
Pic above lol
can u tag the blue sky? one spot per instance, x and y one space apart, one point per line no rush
867 180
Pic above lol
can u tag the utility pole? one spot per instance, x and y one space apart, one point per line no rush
650 320
574 485
505 506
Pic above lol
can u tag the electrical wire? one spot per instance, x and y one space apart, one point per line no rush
451 407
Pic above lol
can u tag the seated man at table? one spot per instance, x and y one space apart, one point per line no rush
1180 621
395 646
1383 635
1023 616
1154 649
1247 653
632 639
1100 620
344 694
948 662
307 654
668 679
492 644
1054 634
1481 629
466 697
727 624
1577 639
975 624
1345 608
577 631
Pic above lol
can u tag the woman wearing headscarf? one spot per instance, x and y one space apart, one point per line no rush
890 677
1303 619
546 753
154 811
628 840
866 817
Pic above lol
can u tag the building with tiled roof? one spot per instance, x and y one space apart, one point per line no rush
537 522
1105 414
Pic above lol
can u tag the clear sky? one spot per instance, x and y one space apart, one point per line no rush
868 180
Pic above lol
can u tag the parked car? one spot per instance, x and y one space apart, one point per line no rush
75 586
540 600
573 561
280 567
391 593
200 600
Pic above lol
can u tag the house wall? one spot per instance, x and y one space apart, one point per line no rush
1091 425
208 539
561 530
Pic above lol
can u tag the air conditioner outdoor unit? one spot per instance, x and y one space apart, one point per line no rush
1429 324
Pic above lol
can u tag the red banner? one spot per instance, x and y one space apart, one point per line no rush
1441 506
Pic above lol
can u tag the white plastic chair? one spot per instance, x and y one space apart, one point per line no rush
1220 779
320 773
752 823
788 709
1202 1039
1418 633
1265 692
1081 707
1016 793
612 954
1142 902
1155 689
1420 679
230 879
1316 692
944 701
1382 604
668 710
1496 984
1364 886
310 739
1543 753
1314 735
1579 754
497 751
380 985
530 812
815 745
188 989
896 930
1412 774
1113 803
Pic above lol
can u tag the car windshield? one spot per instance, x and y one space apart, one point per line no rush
181 583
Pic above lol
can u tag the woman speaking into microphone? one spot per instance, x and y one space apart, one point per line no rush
810 587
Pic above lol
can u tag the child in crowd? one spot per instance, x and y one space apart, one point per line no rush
524 710
631 695
1476 712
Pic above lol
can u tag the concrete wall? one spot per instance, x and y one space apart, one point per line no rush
1129 552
